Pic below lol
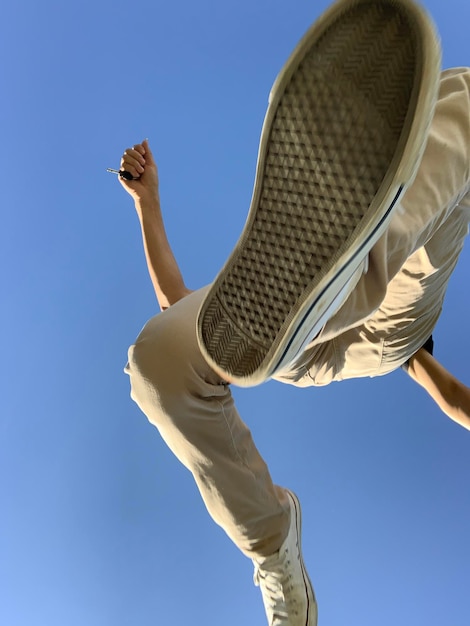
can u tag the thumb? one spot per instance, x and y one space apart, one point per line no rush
148 153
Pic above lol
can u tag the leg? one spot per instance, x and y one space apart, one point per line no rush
194 412
428 205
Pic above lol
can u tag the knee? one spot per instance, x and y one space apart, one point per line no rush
156 362
166 368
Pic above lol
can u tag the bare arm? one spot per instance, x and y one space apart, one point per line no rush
451 395
164 272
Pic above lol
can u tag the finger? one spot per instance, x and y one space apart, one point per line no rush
148 153
135 154
128 162
139 147
135 170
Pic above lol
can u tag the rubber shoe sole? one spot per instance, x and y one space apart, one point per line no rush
342 138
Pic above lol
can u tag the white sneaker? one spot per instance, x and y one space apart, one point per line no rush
287 592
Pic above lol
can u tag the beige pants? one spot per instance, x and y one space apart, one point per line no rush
193 409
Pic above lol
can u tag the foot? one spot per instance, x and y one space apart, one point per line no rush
287 592
342 138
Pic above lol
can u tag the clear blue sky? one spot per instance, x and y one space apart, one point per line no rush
99 524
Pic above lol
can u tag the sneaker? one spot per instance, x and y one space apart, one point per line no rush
342 138
287 592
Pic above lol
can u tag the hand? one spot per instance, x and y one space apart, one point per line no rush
139 162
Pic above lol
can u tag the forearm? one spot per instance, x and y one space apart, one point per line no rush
451 395
143 186
163 269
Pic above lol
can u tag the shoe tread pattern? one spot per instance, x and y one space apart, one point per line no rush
332 139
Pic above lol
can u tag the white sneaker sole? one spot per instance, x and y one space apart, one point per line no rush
342 139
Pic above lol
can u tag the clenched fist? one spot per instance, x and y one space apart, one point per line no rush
139 162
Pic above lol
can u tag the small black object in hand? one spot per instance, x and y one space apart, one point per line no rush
122 174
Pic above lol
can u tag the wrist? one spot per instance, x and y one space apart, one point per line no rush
147 206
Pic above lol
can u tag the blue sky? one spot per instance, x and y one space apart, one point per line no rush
99 524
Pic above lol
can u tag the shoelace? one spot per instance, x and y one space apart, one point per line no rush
274 579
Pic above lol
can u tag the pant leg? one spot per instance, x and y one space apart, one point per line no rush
195 414
442 180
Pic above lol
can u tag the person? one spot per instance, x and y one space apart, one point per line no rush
191 404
